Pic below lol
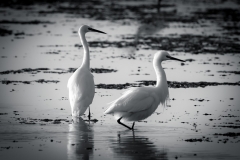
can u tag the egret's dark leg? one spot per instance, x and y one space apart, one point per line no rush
133 125
133 134
159 5
89 115
119 121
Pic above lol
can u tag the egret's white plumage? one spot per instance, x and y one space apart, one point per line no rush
81 84
139 103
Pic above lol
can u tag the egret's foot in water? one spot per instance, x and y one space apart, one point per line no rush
91 120
133 125
119 121
89 114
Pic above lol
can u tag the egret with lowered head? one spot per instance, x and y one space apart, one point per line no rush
81 84
139 103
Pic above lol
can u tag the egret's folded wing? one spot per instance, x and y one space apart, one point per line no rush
129 90
132 101
82 88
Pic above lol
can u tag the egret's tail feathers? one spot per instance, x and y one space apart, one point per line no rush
118 115
126 117
108 110
77 112
109 106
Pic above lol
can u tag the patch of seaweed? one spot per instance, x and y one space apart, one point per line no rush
59 71
5 32
102 70
229 126
3 113
171 84
24 70
174 84
183 43
229 134
199 140
39 121
35 22
28 82
234 72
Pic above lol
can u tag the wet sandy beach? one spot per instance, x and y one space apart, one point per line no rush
40 49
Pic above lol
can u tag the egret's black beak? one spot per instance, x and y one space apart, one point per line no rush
94 30
172 58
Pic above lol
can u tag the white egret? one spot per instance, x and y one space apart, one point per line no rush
139 103
81 84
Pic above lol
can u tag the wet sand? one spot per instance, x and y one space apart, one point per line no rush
40 49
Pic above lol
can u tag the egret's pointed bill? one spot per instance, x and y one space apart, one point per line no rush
94 30
175 59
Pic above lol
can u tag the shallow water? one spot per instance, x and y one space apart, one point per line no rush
42 49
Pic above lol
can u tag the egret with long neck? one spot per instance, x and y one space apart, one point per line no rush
139 103
81 84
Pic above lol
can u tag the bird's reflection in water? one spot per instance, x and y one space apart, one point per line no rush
136 147
80 140
149 26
